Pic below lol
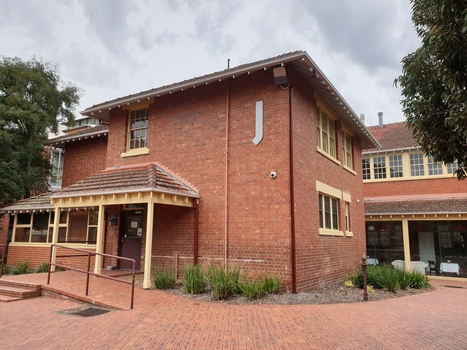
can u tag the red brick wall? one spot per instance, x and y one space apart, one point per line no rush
322 260
4 221
187 137
83 158
415 187
38 255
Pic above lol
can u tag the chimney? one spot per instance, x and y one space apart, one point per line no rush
380 119
362 117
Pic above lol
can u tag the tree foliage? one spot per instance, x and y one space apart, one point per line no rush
33 102
434 81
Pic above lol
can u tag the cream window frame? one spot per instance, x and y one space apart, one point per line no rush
327 140
130 152
347 146
332 193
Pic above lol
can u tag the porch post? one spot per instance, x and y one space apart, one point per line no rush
148 247
406 242
55 236
99 241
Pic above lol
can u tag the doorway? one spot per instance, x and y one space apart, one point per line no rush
131 233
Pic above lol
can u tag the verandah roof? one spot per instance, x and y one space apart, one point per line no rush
133 184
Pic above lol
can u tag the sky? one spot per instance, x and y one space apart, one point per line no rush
114 48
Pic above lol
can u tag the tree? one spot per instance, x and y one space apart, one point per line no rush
33 102
434 81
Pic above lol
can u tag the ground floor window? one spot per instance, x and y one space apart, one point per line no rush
328 212
75 226
439 243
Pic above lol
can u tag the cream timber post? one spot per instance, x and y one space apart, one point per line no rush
406 243
55 236
99 240
148 247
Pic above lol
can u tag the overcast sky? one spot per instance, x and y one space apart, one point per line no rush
113 48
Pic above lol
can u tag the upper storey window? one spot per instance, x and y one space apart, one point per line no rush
138 129
326 132
137 137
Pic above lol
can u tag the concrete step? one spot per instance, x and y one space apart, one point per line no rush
14 290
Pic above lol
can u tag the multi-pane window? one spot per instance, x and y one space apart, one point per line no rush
56 163
452 167
32 228
76 226
379 167
328 212
347 216
416 165
366 169
327 133
434 168
138 129
348 161
395 166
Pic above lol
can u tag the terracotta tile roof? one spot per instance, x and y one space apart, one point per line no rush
40 202
416 206
148 177
99 130
392 136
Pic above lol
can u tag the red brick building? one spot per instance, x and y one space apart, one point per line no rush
415 208
255 167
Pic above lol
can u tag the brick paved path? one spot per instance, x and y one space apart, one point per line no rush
433 320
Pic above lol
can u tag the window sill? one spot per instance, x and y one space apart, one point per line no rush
348 234
328 232
135 152
350 170
319 150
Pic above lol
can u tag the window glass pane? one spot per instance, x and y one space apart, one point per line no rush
321 211
62 235
334 214
395 166
77 228
138 132
93 217
22 234
452 167
23 219
92 235
327 212
416 165
379 167
366 169
40 227
434 168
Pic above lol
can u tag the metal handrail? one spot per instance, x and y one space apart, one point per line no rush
2 247
88 272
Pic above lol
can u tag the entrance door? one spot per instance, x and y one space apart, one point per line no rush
131 237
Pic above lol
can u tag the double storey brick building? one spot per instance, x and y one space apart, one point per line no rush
255 167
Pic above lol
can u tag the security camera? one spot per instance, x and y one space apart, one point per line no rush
273 174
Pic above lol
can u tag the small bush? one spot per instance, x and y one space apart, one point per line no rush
224 282
271 284
254 289
418 280
6 270
404 278
389 278
164 277
21 268
44 267
194 281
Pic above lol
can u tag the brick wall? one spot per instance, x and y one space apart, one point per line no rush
414 187
83 158
187 136
323 260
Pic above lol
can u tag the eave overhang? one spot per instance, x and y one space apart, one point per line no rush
300 61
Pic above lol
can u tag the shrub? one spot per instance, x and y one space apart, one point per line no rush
253 289
418 280
373 277
194 281
6 270
404 278
44 267
21 268
271 284
224 282
164 277
389 278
